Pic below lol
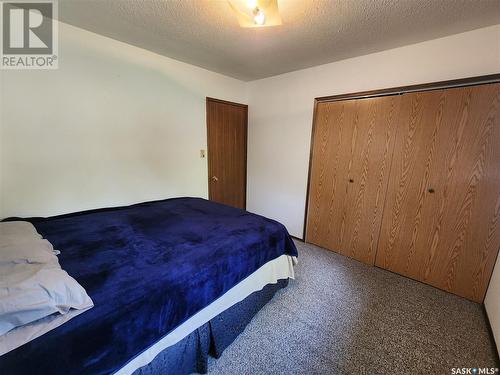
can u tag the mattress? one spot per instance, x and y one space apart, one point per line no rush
270 273
149 268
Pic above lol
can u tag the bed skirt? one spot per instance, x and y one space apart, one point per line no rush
190 355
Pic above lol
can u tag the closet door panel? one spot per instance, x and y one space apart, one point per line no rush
416 170
440 223
333 131
352 149
463 259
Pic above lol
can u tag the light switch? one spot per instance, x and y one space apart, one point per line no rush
202 153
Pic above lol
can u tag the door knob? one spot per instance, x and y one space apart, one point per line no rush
215 179
431 190
351 180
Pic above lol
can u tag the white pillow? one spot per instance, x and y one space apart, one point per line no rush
22 229
20 243
34 251
32 283
29 292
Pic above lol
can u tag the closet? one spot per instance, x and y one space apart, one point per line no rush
409 181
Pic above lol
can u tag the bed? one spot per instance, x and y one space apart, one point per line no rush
162 275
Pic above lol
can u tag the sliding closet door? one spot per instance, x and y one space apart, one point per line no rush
350 162
441 222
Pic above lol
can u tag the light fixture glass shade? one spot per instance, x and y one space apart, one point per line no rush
259 17
267 13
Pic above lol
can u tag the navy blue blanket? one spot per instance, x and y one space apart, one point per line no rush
148 268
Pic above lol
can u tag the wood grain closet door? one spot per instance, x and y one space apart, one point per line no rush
351 153
441 218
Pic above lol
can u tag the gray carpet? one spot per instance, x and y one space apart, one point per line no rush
342 317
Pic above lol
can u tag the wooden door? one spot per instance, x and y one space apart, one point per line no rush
441 222
227 152
350 161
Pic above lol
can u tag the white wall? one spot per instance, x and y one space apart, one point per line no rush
114 125
492 303
281 109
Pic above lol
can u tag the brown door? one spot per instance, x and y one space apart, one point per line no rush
351 153
227 152
441 222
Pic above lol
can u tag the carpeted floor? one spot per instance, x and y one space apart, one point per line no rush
342 317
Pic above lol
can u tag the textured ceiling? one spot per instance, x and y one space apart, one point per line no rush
206 32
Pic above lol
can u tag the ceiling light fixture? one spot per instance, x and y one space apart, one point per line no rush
256 13
259 16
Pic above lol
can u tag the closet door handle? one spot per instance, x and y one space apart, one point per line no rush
431 190
351 180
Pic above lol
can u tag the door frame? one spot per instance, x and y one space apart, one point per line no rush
245 107
463 82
